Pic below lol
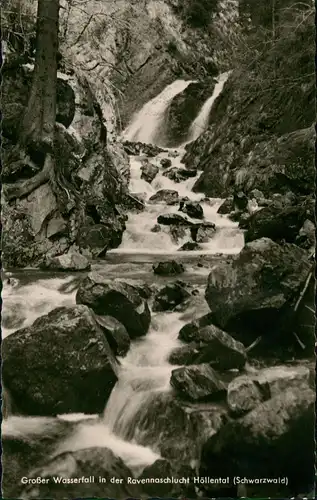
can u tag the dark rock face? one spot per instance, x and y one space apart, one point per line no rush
226 207
189 246
185 355
117 299
190 331
168 268
86 206
269 430
214 346
257 289
166 162
173 219
87 462
16 87
197 383
248 391
65 103
162 468
183 109
98 238
139 148
80 370
170 296
167 196
156 229
182 426
192 209
240 200
116 334
24 451
179 174
307 235
201 233
178 233
71 261
149 172
276 224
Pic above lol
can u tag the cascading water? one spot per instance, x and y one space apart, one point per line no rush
139 237
200 124
147 124
145 372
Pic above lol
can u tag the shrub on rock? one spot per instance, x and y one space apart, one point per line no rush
118 299
77 375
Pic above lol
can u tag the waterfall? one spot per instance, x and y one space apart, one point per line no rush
200 124
146 125
144 374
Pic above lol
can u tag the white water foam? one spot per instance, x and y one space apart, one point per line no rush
23 303
139 237
200 124
146 125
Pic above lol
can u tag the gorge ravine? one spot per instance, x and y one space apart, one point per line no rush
145 371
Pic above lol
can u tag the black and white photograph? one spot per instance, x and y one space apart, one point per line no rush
158 249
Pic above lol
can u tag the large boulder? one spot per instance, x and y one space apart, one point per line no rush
116 334
189 246
275 440
179 174
170 296
256 290
168 268
166 162
72 466
182 426
226 207
162 469
60 364
71 261
138 148
118 299
307 235
173 219
244 394
216 347
201 233
192 209
276 224
197 383
26 444
149 171
166 196
185 354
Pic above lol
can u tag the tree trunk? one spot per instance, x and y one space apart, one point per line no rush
37 127
38 123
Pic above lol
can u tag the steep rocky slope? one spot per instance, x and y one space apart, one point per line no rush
261 132
113 57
